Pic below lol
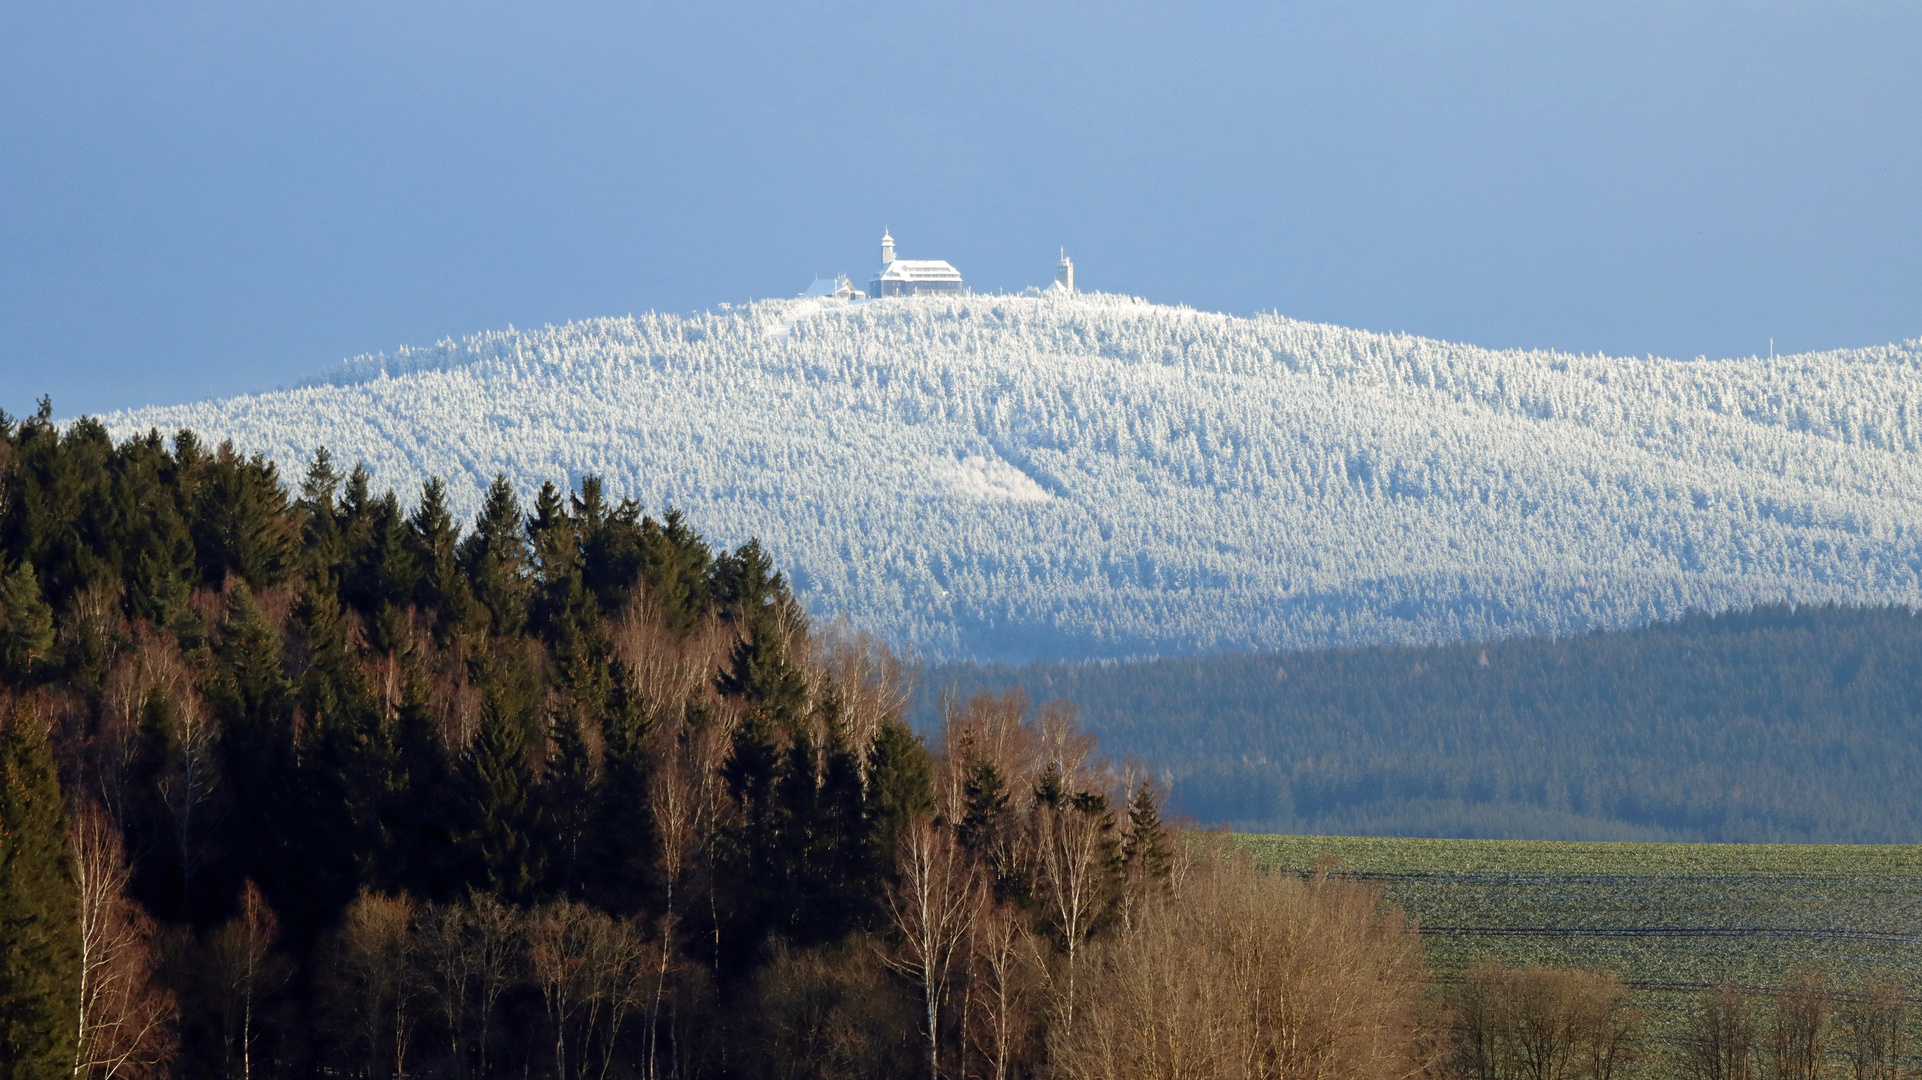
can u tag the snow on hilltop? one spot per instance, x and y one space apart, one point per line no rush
1089 476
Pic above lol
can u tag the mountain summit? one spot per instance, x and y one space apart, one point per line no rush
1084 476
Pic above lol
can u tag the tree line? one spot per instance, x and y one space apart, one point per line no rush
298 781
1533 1022
1774 724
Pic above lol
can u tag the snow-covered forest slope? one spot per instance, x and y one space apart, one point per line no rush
1093 476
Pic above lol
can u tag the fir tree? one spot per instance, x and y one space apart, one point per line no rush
624 834
840 840
900 786
1145 852
346 760
494 558
159 550
504 858
26 626
253 702
39 931
321 541
678 567
503 827
380 569
612 545
567 799
241 524
434 542
560 599
419 807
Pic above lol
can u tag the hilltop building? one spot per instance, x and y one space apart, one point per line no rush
838 287
1063 274
912 277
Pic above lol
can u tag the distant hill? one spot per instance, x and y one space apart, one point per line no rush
1778 724
1072 477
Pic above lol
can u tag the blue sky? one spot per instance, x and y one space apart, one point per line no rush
200 199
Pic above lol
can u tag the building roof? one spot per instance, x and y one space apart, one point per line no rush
918 270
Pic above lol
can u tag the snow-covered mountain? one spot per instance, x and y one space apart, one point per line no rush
1095 476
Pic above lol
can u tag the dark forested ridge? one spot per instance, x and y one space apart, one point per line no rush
300 781
1776 724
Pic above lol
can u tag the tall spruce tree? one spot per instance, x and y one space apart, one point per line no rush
420 810
434 541
346 760
320 538
624 837
26 626
612 544
900 786
39 906
1145 853
503 815
560 601
241 524
494 557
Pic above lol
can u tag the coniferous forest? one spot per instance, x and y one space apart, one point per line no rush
302 780
1777 724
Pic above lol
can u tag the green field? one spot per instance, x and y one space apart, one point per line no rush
1669 918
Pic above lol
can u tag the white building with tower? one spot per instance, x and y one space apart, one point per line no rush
912 277
1063 274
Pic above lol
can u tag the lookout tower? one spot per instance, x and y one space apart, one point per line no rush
1064 272
887 248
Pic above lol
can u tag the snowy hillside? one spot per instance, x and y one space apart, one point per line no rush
1018 477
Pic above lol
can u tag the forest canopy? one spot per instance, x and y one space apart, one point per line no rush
1774 724
300 780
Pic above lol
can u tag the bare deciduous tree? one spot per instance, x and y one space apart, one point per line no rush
1871 1031
930 907
684 795
869 680
1002 959
371 983
247 970
123 1031
1251 976
591 970
189 775
1720 1041
1075 856
1799 1026
560 946
448 968
471 955
492 941
1542 1023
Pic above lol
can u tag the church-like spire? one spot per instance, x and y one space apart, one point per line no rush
887 248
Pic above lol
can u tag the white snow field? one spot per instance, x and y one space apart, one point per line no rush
1005 477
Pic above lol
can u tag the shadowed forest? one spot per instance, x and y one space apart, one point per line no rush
1773 725
303 782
